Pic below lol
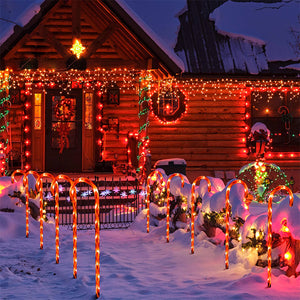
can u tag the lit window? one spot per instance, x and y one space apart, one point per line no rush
88 111
37 111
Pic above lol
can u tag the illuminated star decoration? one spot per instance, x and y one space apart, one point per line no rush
116 190
132 192
143 193
77 48
105 193
86 193
123 194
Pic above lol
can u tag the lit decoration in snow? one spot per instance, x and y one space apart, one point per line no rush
269 242
192 207
168 200
97 229
25 184
288 256
227 206
152 176
261 178
55 189
77 48
39 187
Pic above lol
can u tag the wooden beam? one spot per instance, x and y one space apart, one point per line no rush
98 42
51 40
76 30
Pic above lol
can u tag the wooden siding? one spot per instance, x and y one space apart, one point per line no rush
127 113
211 136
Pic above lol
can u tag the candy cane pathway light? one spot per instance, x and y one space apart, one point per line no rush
148 194
55 192
73 196
278 188
168 200
25 184
192 208
227 206
39 187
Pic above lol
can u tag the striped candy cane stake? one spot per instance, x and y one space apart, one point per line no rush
227 216
168 200
278 188
97 229
192 208
39 187
55 192
25 184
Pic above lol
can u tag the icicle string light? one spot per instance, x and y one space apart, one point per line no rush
73 196
168 200
192 207
227 207
269 242
152 176
39 187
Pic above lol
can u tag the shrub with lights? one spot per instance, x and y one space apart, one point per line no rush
285 237
261 178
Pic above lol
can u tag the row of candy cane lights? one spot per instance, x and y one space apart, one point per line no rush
73 197
156 174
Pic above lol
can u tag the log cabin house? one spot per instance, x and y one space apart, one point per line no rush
90 87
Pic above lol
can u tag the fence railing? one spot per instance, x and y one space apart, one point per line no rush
120 202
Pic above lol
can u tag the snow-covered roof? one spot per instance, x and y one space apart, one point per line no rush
167 48
16 12
268 23
271 24
20 12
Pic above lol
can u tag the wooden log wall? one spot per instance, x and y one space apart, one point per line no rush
211 136
127 114
15 119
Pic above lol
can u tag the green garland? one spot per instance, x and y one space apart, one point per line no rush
4 111
143 98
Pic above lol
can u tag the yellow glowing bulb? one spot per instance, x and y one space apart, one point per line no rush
287 255
77 48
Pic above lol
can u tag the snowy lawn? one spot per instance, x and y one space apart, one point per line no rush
134 265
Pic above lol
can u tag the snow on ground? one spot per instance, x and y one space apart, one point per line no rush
133 265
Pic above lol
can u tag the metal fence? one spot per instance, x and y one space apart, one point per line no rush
120 202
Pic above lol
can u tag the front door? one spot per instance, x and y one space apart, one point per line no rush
63 138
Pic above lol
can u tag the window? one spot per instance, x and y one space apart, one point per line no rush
113 95
88 111
37 111
280 112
